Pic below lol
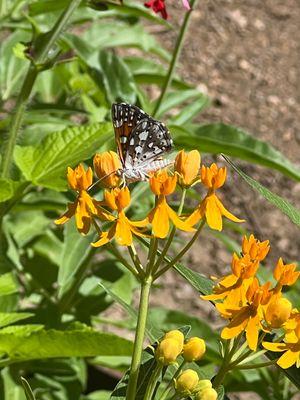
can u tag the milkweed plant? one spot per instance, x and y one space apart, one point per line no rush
94 211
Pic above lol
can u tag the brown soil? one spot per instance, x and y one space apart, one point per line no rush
245 56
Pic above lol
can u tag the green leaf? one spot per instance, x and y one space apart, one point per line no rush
152 332
7 189
176 98
27 389
199 282
8 284
76 251
189 112
98 395
12 68
222 138
46 164
117 78
287 208
11 318
30 342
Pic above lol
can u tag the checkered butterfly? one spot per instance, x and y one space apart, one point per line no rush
141 142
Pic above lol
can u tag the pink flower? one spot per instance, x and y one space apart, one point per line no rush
186 4
158 6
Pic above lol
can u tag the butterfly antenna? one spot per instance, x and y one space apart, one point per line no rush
101 179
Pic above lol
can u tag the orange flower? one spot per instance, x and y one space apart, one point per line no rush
187 167
122 228
236 283
106 166
162 185
84 207
278 312
213 177
248 317
285 274
257 250
291 348
211 207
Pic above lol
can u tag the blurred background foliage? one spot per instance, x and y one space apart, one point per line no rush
53 319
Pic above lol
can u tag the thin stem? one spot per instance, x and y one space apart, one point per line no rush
171 381
139 338
152 255
26 89
135 259
257 365
16 121
176 54
152 382
182 252
171 236
123 261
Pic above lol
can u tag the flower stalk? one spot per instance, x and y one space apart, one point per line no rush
139 338
176 54
29 80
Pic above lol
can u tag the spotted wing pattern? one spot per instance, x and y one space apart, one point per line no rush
148 141
125 117
140 138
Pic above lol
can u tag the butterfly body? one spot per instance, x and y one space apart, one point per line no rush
141 142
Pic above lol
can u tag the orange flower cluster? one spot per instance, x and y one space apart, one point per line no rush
163 183
251 307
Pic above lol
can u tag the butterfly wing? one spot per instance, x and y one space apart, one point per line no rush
148 141
125 118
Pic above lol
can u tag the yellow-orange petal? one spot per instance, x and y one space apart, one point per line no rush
123 233
110 198
288 359
106 165
237 325
252 331
274 346
104 239
213 213
161 183
123 198
187 166
159 219
226 213
182 225
195 217
68 214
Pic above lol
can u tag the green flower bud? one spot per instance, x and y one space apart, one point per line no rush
194 349
207 394
187 382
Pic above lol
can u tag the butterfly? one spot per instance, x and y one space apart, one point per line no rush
141 141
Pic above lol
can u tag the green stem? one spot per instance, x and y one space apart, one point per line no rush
176 54
171 236
26 89
152 382
135 259
139 338
171 381
182 252
17 118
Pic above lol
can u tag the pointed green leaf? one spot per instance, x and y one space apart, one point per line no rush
11 318
222 138
46 164
28 342
199 282
287 208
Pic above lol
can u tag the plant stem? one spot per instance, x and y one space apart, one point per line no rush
26 89
139 338
176 54
182 252
171 236
152 382
135 259
171 381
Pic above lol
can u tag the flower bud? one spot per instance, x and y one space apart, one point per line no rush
106 165
204 384
187 166
176 335
79 179
207 394
278 312
162 183
194 349
167 351
187 382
